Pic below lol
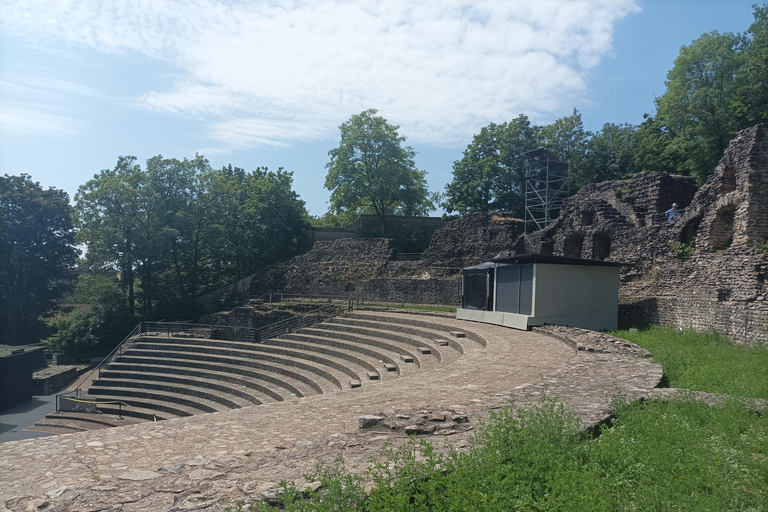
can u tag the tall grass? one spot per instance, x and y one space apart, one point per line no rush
706 361
678 455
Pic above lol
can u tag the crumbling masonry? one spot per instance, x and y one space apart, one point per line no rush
721 284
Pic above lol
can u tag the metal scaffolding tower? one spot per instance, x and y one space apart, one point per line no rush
546 188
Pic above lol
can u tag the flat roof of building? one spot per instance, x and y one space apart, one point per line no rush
524 259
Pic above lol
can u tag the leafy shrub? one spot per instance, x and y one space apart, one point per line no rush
683 251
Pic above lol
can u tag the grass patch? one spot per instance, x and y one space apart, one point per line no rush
446 309
678 455
705 361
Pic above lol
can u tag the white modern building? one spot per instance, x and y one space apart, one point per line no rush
536 289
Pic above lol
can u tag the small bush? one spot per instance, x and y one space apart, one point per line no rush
761 247
683 251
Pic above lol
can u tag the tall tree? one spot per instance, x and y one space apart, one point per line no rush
754 76
37 254
110 216
371 171
567 139
490 175
700 106
611 154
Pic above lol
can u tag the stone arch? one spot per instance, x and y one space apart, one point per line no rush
690 230
721 230
601 245
574 241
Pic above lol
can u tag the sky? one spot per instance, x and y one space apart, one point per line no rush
267 83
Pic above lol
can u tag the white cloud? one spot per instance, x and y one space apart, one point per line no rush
26 121
268 73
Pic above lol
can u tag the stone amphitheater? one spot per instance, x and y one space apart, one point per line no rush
235 418
241 417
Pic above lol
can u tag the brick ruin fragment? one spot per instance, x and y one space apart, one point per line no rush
722 284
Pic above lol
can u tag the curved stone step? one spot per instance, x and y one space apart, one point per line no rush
338 351
233 394
274 381
418 321
374 332
401 349
426 335
321 379
145 408
259 391
299 358
203 402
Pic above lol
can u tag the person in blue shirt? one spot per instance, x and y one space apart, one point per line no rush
673 213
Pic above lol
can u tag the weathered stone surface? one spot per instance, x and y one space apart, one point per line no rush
722 285
212 461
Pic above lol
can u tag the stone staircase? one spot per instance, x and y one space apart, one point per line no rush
161 377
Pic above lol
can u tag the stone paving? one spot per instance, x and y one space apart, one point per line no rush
211 461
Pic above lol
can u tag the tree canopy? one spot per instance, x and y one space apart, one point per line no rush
179 228
371 171
490 175
37 255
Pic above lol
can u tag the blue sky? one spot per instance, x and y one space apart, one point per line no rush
268 83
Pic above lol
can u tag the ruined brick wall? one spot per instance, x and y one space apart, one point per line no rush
364 269
412 291
473 238
722 284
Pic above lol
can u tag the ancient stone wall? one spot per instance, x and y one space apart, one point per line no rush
412 291
720 284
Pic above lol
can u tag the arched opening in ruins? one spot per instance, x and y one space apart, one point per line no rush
573 244
721 231
690 231
601 245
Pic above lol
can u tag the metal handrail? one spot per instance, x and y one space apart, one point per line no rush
116 352
280 296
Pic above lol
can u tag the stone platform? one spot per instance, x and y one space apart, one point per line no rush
211 461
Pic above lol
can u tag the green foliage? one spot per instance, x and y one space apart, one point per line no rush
84 333
677 455
371 172
490 175
761 247
683 251
706 361
179 228
37 255
700 106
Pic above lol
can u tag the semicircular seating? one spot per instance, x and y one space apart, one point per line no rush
160 376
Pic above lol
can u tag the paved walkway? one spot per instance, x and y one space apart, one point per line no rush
211 461
15 420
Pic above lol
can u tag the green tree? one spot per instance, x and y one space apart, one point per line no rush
112 216
701 105
754 76
92 332
37 254
490 175
371 171
611 154
567 139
